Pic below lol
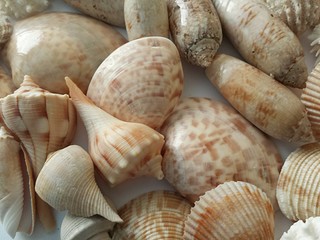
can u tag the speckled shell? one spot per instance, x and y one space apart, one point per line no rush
233 210
299 15
5 28
195 29
109 11
145 18
263 40
155 215
299 183
6 84
266 103
50 46
141 81
209 143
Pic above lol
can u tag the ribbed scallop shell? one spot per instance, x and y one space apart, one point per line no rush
209 143
141 81
233 210
6 28
298 188
155 215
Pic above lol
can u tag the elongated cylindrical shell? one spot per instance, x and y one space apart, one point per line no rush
233 210
209 143
154 215
195 29
6 84
139 82
298 189
50 46
145 18
263 40
266 103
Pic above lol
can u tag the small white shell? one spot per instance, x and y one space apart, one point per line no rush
309 229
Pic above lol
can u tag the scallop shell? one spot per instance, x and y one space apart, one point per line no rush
120 150
139 82
233 210
6 85
153 215
67 182
209 143
308 229
6 28
299 183
71 44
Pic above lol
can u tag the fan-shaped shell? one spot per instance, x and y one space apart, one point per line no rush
298 189
154 215
209 143
139 82
50 46
233 210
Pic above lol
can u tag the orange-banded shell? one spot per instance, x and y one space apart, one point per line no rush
141 81
209 143
298 189
233 210
153 215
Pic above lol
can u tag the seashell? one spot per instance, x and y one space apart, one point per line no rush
266 103
5 28
314 37
17 196
298 15
108 11
141 81
63 41
120 150
145 18
195 29
233 210
209 143
153 215
263 40
67 182
89 228
43 122
308 229
299 184
6 85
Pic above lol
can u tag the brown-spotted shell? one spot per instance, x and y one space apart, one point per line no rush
209 143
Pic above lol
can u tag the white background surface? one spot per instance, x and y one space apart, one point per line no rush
196 84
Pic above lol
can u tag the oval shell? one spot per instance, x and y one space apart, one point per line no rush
209 143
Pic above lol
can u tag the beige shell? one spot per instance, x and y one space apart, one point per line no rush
67 182
153 215
266 103
209 143
299 15
233 210
314 37
6 28
6 85
141 81
299 183
73 228
263 40
145 18
17 196
50 46
195 29
120 150
23 8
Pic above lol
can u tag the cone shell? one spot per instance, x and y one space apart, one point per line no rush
233 210
139 82
67 182
209 143
299 183
153 215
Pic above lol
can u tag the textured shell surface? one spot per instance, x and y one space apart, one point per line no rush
298 188
195 29
263 40
153 215
6 28
6 84
109 11
67 182
67 45
120 150
233 210
261 99
208 143
314 37
308 229
140 81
